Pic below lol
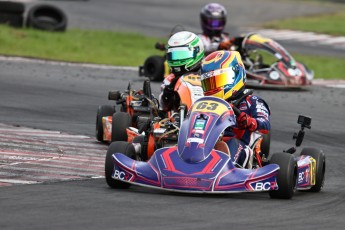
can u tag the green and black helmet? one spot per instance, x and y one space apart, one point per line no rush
184 53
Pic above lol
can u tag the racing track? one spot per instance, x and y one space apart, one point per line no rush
65 98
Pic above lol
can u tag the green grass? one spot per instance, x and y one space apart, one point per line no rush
333 24
323 67
101 47
116 48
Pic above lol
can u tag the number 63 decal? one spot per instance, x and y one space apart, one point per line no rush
207 105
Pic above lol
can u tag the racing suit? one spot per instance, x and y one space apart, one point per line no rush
215 43
240 139
168 98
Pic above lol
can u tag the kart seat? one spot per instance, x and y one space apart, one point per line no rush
223 147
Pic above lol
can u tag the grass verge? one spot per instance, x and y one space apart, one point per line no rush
116 48
332 24
100 47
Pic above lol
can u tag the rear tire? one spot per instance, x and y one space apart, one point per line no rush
121 121
102 111
320 158
117 147
287 176
154 68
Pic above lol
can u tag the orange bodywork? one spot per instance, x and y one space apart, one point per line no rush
131 134
185 92
107 125
151 142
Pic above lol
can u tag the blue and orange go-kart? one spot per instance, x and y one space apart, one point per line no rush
198 165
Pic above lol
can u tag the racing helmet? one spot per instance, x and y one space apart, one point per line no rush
223 75
185 52
213 19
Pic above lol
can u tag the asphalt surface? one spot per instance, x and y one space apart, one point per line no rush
65 98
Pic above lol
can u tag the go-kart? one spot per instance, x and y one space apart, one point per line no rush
112 125
160 129
197 165
268 64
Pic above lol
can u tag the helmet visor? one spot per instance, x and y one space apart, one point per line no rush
217 79
180 53
214 23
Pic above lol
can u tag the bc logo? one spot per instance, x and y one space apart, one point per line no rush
119 175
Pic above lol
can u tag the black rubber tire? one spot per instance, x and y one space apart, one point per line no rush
46 17
12 7
121 121
12 19
117 147
154 68
287 175
265 144
102 111
320 158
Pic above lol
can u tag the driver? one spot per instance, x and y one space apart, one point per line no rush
223 75
213 20
185 52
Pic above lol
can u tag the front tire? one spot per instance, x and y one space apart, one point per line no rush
117 147
102 111
287 176
320 158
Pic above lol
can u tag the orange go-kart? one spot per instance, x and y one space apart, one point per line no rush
111 125
142 133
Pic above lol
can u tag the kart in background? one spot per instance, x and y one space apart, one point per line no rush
112 125
199 163
268 64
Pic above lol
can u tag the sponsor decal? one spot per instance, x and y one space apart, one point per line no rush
121 175
300 177
177 69
263 186
197 140
199 131
260 106
274 75
303 176
197 135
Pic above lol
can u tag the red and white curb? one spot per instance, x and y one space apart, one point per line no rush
30 156
305 37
